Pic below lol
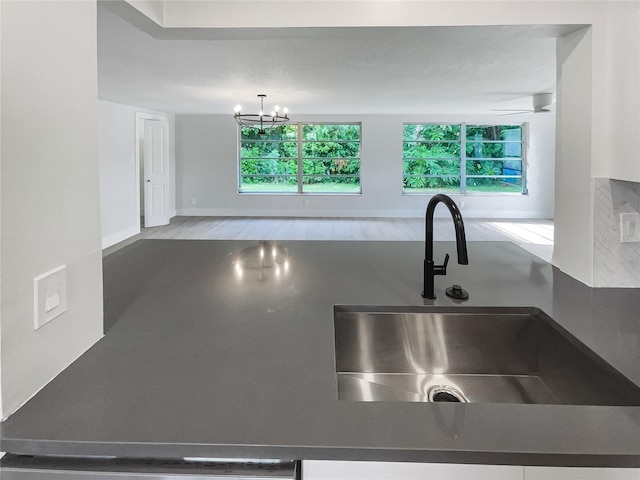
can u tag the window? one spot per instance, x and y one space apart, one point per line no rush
494 158
269 163
463 158
301 158
432 158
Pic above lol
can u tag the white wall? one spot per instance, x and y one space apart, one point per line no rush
320 13
573 245
153 9
119 172
207 166
50 213
1 414
118 188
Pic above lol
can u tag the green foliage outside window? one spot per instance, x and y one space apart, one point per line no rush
431 157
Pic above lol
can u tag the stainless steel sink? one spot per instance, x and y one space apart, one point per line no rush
469 354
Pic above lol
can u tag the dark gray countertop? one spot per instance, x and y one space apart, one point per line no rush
198 362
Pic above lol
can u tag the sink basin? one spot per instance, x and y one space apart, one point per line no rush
469 354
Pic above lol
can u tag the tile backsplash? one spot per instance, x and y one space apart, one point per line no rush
616 264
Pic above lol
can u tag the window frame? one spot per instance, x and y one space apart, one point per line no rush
463 158
300 175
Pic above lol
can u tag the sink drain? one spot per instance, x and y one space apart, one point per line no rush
446 393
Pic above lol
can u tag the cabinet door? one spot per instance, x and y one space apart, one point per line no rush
338 470
579 473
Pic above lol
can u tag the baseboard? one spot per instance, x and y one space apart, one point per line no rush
118 237
508 214
297 212
223 212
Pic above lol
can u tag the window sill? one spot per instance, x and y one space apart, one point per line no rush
468 194
303 194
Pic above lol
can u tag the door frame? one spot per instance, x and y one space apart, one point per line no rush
140 118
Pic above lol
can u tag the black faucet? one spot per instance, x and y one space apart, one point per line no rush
430 269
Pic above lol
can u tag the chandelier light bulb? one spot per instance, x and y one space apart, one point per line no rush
273 114
285 110
276 108
238 108
261 113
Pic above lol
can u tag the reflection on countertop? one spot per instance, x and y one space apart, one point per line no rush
260 259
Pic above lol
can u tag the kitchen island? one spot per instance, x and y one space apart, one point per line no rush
208 353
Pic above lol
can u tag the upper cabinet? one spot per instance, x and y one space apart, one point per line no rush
616 94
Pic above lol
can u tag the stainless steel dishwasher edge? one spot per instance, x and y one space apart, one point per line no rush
26 467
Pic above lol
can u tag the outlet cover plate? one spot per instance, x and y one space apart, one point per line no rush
49 296
629 227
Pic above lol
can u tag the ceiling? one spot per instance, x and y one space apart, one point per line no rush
364 70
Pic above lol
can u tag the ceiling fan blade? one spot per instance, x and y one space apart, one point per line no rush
518 112
523 110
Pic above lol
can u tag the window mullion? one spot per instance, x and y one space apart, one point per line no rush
524 153
463 158
240 176
300 164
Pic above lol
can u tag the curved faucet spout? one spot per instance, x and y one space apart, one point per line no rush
430 269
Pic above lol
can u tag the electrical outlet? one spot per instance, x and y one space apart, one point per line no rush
630 227
49 296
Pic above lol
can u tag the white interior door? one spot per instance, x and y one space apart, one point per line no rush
156 174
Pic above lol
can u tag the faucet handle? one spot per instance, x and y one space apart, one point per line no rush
441 269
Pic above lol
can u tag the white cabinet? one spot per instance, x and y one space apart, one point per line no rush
334 470
579 473
342 470
616 128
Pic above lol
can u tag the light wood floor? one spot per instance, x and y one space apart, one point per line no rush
535 236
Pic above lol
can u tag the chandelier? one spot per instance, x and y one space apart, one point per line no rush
260 119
